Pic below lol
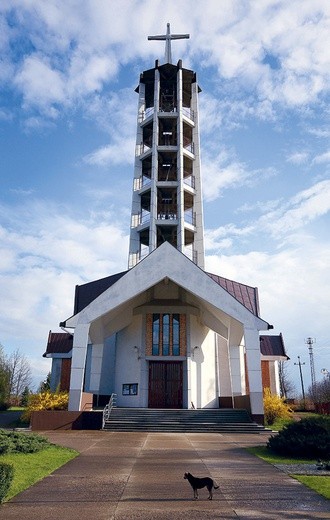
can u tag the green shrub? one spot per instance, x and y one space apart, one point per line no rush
275 407
309 438
16 442
6 477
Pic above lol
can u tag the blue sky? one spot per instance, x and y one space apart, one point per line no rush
68 70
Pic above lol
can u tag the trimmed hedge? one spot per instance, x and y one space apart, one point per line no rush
6 477
16 442
309 437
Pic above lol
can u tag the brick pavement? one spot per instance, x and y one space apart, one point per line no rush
124 476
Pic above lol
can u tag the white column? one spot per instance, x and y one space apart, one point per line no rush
154 175
80 341
225 382
198 203
180 191
253 361
134 246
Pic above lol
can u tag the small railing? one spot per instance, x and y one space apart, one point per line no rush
141 182
189 180
188 112
190 217
107 409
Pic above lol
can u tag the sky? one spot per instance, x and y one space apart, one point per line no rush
68 70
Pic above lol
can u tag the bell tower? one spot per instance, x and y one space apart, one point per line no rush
167 194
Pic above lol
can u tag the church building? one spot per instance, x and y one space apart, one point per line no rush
165 333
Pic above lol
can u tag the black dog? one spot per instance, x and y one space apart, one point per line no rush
199 483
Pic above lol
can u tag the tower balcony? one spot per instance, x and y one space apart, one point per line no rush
141 182
143 148
135 258
188 145
189 179
146 114
190 218
191 254
188 113
141 219
167 212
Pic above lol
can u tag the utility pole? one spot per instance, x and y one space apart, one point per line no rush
302 381
309 342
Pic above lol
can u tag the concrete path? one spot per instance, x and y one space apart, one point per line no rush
126 476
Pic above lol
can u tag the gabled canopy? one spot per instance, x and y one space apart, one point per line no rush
166 262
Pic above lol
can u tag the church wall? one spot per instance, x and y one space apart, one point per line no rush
100 367
203 390
55 376
128 364
237 369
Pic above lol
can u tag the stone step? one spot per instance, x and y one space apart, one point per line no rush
165 420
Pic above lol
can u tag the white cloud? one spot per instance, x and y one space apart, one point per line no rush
224 171
45 254
74 50
282 224
322 158
40 84
292 284
298 158
117 115
299 211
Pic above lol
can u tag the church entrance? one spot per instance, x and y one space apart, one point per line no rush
165 384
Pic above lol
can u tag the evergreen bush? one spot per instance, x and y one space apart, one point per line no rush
309 437
6 477
16 442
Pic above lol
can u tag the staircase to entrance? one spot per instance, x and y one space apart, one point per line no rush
185 421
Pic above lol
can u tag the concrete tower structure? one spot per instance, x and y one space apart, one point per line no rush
167 193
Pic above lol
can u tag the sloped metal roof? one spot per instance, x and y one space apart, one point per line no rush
272 346
59 343
246 295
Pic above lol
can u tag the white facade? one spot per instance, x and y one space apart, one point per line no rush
115 325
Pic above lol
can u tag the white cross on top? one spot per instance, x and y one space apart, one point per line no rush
168 37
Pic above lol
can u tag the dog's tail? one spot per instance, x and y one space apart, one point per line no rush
215 487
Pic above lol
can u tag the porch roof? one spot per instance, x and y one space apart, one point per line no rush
273 346
245 294
58 343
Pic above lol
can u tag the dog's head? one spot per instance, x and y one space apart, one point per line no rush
186 475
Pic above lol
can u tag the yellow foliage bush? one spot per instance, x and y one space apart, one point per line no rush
275 407
46 401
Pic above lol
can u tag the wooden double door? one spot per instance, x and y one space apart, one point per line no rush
165 384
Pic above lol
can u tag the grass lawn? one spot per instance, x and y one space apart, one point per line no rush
320 484
31 467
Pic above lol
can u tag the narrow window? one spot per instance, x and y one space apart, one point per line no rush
166 334
155 335
176 335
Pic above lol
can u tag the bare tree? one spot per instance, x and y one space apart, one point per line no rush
20 375
287 387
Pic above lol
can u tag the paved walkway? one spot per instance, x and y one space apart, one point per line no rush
126 476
